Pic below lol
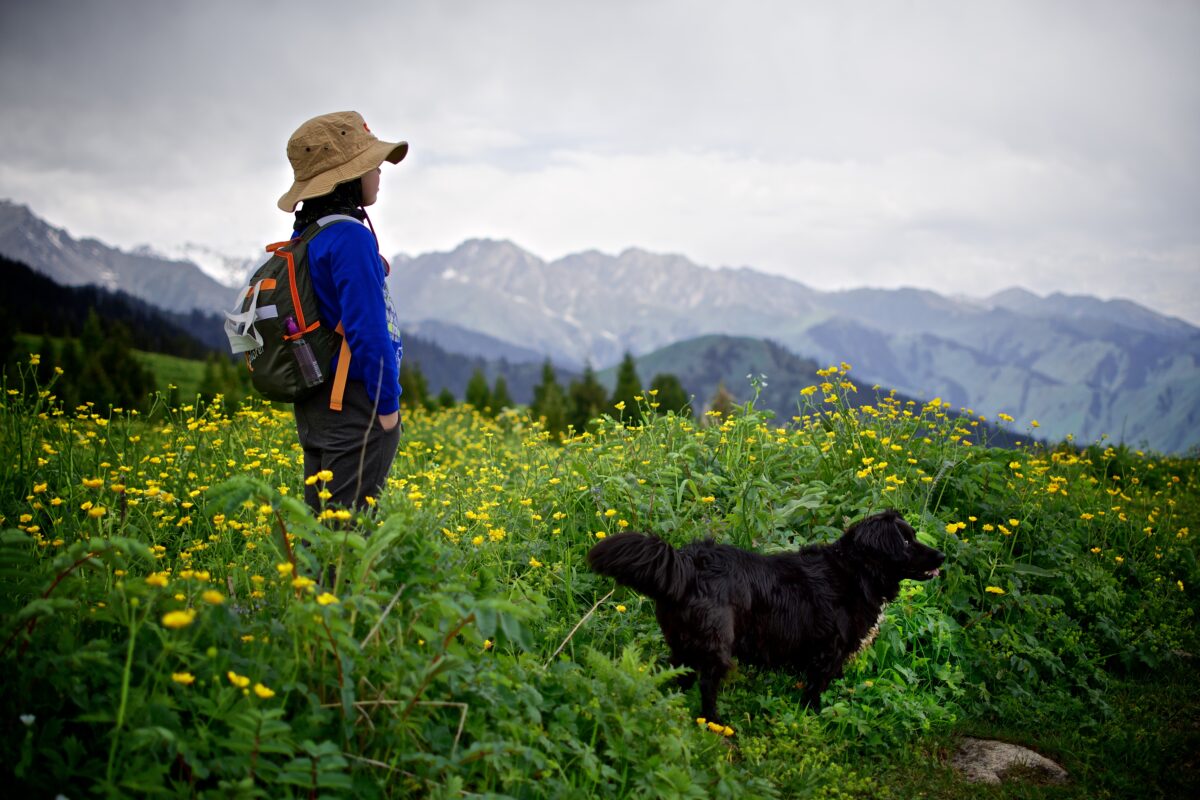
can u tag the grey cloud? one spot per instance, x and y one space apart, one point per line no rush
867 138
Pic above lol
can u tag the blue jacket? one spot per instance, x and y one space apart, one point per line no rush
348 277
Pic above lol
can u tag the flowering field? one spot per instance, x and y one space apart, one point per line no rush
172 623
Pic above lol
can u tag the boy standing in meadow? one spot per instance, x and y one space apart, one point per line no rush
336 165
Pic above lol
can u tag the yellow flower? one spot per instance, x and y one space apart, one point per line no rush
213 597
620 406
621 609
995 590
600 534
325 475
1086 516
38 488
93 483
263 691
807 390
533 562
302 582
701 721
186 678
240 681
284 569
727 731
1035 423
708 499
325 598
179 619
157 579
1014 522
97 511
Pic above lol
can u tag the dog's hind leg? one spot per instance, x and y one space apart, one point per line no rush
818 681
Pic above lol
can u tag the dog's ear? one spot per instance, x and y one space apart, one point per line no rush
880 535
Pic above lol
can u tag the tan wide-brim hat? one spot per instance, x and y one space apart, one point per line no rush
331 149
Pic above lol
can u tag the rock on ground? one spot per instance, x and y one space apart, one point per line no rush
987 761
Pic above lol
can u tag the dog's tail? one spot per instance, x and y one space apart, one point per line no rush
645 564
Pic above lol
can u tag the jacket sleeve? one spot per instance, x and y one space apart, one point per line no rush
358 275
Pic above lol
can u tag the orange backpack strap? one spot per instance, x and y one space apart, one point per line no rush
339 376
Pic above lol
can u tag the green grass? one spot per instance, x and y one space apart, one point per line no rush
183 373
166 624
1150 748
169 371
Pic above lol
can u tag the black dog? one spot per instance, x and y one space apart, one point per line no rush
806 612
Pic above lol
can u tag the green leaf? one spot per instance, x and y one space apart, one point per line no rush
1030 569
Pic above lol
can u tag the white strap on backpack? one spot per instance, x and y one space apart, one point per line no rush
239 325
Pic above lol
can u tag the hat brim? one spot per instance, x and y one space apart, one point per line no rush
364 162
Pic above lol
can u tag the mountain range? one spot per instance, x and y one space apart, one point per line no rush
1077 364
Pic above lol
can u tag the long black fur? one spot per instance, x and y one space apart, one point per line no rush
805 612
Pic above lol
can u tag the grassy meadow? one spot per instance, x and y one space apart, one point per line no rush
168 626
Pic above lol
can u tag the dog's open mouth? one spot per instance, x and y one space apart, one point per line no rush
933 573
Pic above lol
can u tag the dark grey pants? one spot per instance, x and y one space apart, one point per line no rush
349 443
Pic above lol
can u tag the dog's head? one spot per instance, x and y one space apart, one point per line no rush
890 544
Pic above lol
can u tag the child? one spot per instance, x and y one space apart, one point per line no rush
336 163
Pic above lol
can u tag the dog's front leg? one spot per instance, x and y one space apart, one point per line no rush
710 684
817 683
711 674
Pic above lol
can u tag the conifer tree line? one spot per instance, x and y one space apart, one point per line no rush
100 367
586 399
96 367
560 409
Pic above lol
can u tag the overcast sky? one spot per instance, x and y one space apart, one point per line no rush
960 146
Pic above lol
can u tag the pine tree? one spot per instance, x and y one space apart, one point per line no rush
588 400
446 398
111 374
71 360
668 393
501 399
722 400
549 402
48 361
629 388
221 378
478 394
414 392
132 382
